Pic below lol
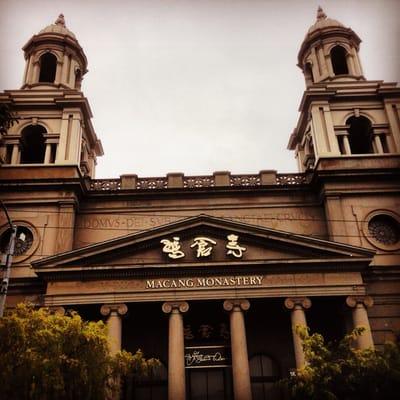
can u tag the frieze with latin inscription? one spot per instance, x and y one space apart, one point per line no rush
300 221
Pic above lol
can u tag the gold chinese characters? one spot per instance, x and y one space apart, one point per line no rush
233 246
172 248
204 247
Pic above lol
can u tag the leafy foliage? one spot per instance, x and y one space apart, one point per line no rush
7 118
338 371
50 356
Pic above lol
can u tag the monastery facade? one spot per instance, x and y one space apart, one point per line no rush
210 274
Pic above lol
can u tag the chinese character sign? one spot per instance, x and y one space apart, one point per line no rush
172 248
204 246
233 246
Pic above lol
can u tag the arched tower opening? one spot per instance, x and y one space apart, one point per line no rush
339 61
48 67
33 144
360 135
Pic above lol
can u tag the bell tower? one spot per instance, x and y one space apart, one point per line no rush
329 52
54 58
54 118
343 116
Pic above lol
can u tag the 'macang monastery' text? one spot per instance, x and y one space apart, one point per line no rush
255 280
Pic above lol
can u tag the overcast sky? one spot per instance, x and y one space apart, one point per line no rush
196 86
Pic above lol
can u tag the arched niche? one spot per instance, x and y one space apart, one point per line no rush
33 144
360 135
48 68
339 60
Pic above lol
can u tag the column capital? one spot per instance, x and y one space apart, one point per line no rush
353 301
175 307
108 309
236 305
297 302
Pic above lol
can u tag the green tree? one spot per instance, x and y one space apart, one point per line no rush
7 118
339 371
47 356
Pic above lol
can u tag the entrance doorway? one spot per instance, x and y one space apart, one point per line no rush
207 352
209 384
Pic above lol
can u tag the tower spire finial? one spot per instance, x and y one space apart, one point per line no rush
320 14
60 21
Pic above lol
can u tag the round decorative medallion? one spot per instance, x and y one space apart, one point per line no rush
384 229
23 240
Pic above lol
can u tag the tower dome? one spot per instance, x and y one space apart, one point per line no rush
329 52
58 27
323 22
54 57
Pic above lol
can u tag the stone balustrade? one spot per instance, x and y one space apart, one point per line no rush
177 180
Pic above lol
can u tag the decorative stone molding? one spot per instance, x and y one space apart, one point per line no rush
108 309
366 301
175 307
236 305
221 179
294 302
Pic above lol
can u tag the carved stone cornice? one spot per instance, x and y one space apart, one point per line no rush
175 307
236 305
292 303
353 301
120 309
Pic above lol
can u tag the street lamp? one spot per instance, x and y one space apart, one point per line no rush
7 262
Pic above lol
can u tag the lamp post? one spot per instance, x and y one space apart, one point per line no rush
8 262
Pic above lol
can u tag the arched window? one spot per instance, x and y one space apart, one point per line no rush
360 135
48 67
339 62
308 74
33 144
264 372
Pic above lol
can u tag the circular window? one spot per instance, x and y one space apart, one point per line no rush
23 240
384 229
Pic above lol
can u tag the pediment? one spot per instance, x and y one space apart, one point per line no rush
204 242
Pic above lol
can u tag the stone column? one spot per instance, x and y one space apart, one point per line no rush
64 69
36 71
297 305
378 144
359 304
114 312
47 153
176 349
346 144
240 360
16 154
